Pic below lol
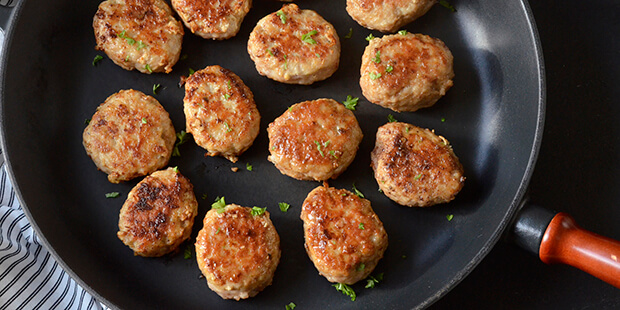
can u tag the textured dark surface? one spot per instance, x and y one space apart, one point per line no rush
577 170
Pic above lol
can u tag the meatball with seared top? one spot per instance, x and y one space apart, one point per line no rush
158 214
415 167
220 112
294 46
387 16
139 34
314 140
406 72
238 250
130 135
344 237
213 19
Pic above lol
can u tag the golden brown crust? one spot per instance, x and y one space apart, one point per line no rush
130 135
220 112
314 140
406 72
387 15
212 19
237 252
139 34
158 214
279 52
414 167
344 238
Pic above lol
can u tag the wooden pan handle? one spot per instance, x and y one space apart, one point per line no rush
565 242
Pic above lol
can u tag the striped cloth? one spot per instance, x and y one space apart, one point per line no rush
30 278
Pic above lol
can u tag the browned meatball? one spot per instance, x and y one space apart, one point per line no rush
237 252
387 16
213 19
220 112
406 72
294 46
344 237
139 34
414 167
130 135
158 214
314 140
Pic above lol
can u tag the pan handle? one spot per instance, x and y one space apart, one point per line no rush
556 238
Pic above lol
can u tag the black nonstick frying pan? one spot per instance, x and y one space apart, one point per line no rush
493 116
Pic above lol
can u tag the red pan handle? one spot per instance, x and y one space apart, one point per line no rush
566 243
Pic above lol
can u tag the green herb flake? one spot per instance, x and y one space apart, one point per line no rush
282 16
318 146
97 59
87 121
175 169
357 192
219 205
229 84
389 68
140 45
372 281
361 226
349 34
308 37
191 71
447 5
370 37
443 120
417 177
351 102
112 195
226 96
333 154
402 32
204 196
374 75
148 68
228 129
256 211
270 52
284 206
391 118
290 306
450 217
248 167
361 267
218 231
377 58
156 88
144 120
187 254
182 137
345 289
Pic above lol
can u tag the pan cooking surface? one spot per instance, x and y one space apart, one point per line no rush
492 116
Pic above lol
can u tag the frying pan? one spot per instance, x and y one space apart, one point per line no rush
493 117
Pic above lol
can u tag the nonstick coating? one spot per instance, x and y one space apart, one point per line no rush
493 117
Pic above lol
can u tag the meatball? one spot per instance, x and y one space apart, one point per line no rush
387 16
237 251
220 112
344 237
130 135
158 214
314 140
139 34
294 46
406 72
212 19
414 167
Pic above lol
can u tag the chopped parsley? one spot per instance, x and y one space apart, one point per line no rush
372 281
377 58
270 52
148 68
143 120
226 96
361 267
361 226
156 88
349 34
87 121
319 146
450 217
290 306
248 167
417 177
284 206
443 120
370 37
140 45
97 59
228 129
123 35
204 196
219 205
187 254
175 169
112 195
358 193
351 102
191 71
374 75
447 5
218 231
308 37
391 118
333 153
182 137
282 16
402 32
256 211
345 289
229 84
389 68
